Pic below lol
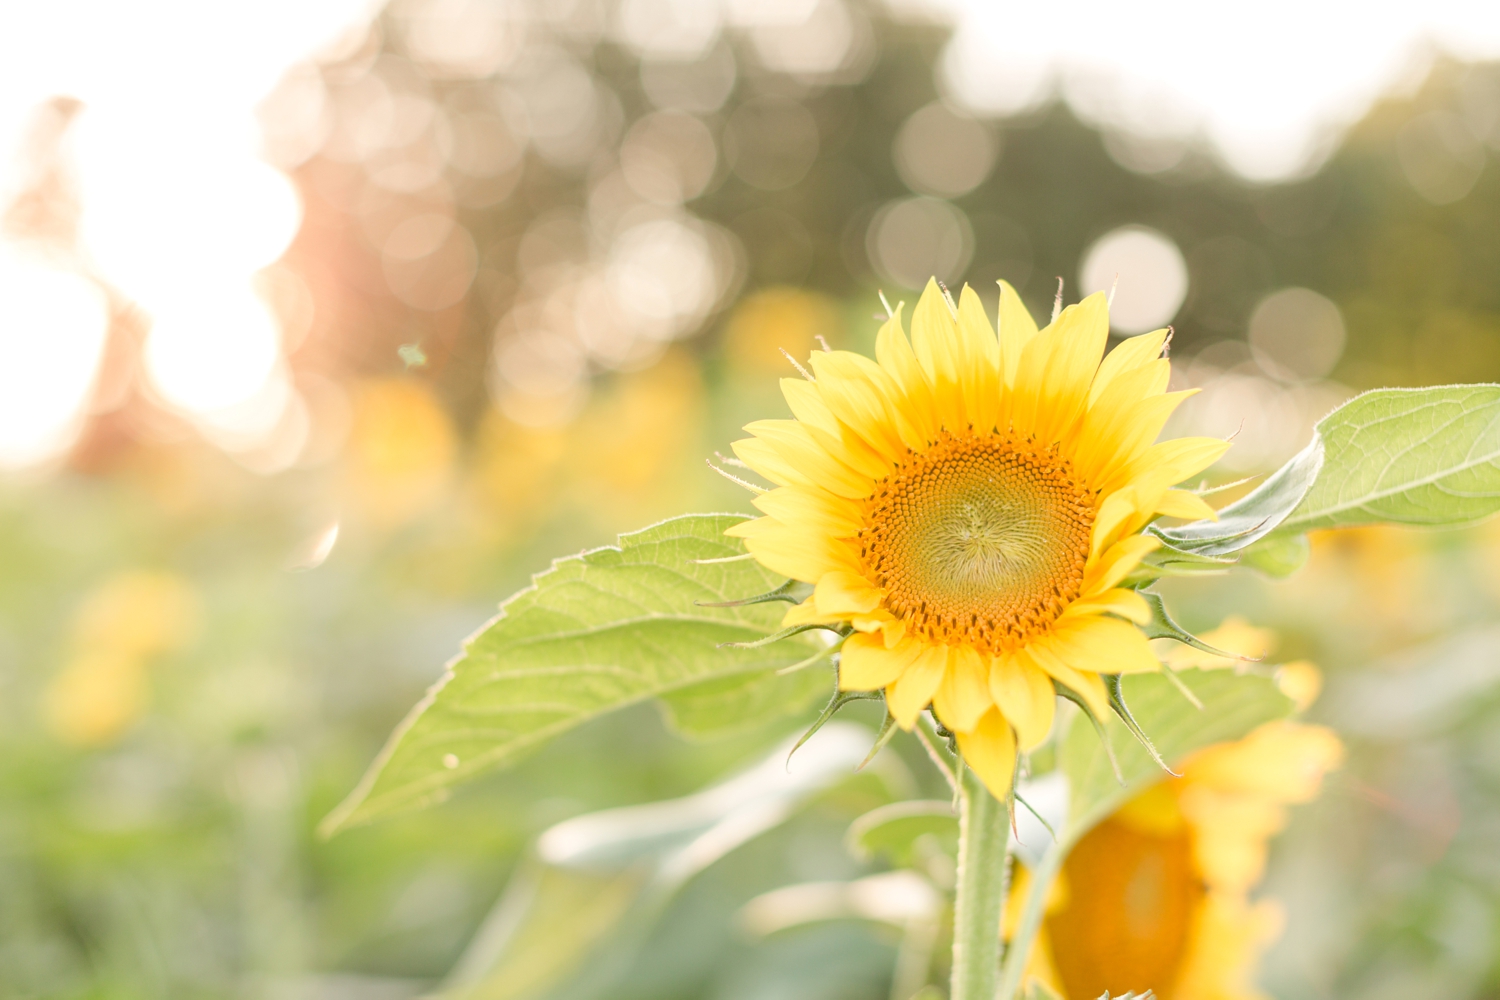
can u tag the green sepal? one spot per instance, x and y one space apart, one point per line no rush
1169 560
789 592
887 730
838 701
1066 692
1016 796
785 633
1162 626
1117 702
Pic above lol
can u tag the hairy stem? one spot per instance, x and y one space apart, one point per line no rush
979 898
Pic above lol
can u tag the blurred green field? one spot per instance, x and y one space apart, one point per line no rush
198 660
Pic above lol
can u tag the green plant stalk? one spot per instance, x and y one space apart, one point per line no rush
1032 911
979 897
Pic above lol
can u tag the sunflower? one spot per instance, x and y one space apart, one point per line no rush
1164 901
970 505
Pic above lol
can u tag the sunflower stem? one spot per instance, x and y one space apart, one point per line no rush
979 897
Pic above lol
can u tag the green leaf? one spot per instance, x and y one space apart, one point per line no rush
894 832
577 909
729 706
595 633
1233 704
1407 456
1258 512
1277 555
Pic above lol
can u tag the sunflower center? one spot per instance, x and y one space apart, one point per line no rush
980 539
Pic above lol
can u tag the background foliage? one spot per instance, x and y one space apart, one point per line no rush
185 691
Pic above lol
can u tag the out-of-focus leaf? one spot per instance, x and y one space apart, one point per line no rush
571 918
1419 691
1277 555
1407 456
1039 991
1258 512
728 706
1233 704
891 832
595 633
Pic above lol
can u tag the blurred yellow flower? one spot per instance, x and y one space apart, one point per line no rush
774 320
632 437
1157 896
400 452
120 626
970 505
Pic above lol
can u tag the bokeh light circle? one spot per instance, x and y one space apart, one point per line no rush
1297 334
212 350
913 239
52 333
1146 271
941 153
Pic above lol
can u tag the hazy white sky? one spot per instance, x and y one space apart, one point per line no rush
1267 83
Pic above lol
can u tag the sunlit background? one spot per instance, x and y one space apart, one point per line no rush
325 324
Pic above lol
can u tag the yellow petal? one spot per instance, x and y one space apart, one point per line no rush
914 401
801 555
1168 461
807 613
1057 368
754 526
1025 696
1116 517
934 340
812 508
1101 645
964 694
1121 427
912 691
1116 563
1186 505
1130 354
1124 422
1016 330
858 391
1088 685
793 443
981 374
893 630
1119 601
810 409
845 593
866 665
1300 681
764 459
989 750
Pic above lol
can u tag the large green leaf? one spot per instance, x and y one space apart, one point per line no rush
1404 456
1407 456
595 633
728 706
1233 704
